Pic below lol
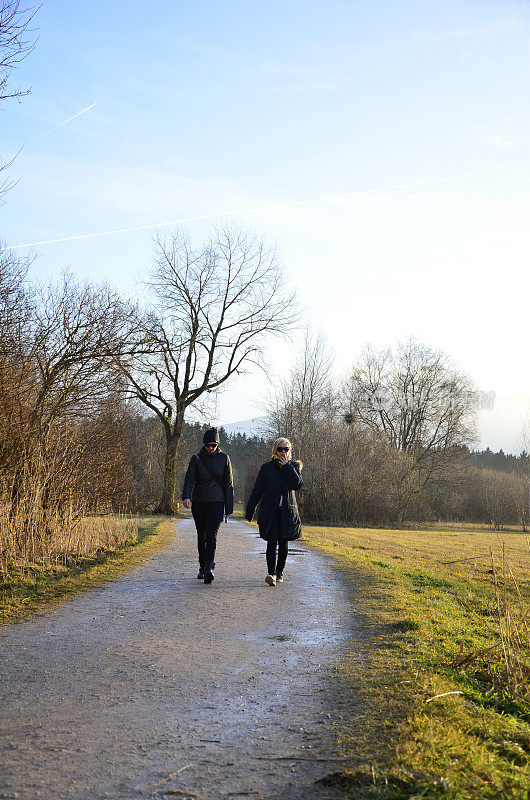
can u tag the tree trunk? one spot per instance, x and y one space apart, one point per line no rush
169 499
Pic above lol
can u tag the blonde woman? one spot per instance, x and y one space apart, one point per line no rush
278 518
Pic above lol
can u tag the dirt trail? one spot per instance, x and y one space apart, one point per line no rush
156 685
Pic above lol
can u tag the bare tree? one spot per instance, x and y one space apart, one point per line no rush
214 307
63 437
16 42
305 409
15 313
15 21
415 400
502 498
56 368
304 397
77 331
13 299
524 471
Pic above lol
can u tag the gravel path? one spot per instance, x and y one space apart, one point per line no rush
156 685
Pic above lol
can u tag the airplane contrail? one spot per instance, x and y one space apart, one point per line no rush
218 215
65 122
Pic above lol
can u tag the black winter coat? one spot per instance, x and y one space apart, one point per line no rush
273 482
201 487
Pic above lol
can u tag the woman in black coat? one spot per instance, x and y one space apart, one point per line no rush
278 518
209 490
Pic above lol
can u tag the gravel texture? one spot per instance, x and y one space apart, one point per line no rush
157 685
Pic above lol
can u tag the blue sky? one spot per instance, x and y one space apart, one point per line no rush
209 107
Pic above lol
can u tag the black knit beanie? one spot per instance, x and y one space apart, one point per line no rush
211 435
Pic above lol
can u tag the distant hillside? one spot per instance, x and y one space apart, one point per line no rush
250 427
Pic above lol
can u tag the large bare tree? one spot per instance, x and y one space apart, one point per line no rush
414 399
214 307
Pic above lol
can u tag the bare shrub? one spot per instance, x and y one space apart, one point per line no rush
62 425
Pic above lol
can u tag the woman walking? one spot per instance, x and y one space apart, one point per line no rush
278 518
209 490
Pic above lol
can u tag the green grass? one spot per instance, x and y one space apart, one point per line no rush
32 588
429 626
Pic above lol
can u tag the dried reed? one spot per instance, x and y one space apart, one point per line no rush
44 521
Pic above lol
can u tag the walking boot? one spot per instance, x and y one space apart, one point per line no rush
208 573
200 576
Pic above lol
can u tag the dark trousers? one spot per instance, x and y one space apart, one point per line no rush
276 564
207 517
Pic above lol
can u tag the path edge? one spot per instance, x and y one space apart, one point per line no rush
102 569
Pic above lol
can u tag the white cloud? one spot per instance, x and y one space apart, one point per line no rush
498 141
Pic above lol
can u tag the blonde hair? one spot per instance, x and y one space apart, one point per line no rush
281 440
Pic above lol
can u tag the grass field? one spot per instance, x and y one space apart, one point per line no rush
443 665
31 588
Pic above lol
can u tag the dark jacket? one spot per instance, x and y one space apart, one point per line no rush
201 487
273 482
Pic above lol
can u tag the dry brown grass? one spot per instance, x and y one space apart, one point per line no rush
455 550
42 520
30 588
31 535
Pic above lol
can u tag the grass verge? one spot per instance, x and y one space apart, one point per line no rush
32 588
446 714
